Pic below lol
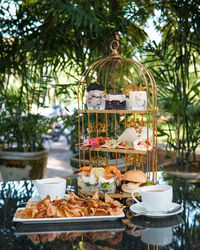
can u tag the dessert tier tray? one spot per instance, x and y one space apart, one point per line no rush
116 150
101 195
113 111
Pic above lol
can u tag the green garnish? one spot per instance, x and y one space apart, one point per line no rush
107 185
148 183
90 185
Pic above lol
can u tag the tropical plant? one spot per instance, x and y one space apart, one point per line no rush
22 131
23 86
174 63
38 39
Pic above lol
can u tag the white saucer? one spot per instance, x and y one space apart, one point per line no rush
138 208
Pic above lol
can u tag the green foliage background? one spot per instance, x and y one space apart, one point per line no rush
40 39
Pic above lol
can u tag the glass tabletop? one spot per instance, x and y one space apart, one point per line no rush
179 231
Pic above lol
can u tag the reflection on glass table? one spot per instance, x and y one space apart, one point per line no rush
174 232
154 232
111 231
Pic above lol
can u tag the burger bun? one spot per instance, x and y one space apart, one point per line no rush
135 176
129 187
133 179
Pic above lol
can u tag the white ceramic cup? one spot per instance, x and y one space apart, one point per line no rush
54 187
155 198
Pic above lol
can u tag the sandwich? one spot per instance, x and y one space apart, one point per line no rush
133 179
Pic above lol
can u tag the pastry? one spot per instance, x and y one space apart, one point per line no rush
95 142
115 101
129 135
142 144
142 133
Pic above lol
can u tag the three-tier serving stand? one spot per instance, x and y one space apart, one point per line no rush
116 74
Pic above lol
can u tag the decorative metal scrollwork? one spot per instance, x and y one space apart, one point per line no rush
136 123
97 126
132 87
97 161
136 159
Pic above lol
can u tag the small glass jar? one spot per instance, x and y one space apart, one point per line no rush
138 100
94 99
107 186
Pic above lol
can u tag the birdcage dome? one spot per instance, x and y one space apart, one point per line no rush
117 107
116 74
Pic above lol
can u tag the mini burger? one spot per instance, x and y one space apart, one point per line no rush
133 179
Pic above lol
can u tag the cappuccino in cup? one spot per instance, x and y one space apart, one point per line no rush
54 187
155 198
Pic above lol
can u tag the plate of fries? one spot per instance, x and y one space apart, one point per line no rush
73 209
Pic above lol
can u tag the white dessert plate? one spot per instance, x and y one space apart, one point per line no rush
70 219
138 208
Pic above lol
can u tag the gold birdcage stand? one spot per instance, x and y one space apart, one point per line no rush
118 74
